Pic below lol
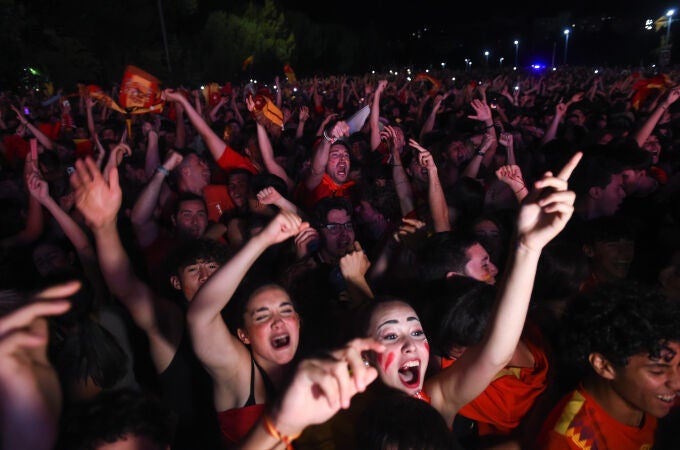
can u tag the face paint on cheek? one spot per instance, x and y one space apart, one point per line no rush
427 346
390 360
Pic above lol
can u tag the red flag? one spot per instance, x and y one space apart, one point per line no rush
140 92
436 84
642 88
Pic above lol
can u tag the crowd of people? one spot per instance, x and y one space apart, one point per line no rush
466 260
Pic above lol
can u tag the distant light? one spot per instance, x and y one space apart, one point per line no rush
408 78
566 31
596 71
670 12
33 71
648 24
294 89
453 79
516 42
653 65
517 88
514 68
486 53
427 70
408 70
373 71
443 64
554 69
202 87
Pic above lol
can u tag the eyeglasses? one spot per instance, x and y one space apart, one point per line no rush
334 228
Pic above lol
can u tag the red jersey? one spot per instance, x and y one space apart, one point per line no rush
504 403
326 188
579 423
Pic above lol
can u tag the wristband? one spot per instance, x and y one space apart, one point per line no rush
488 126
480 153
163 170
327 138
273 432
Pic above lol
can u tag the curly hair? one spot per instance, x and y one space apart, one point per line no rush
619 320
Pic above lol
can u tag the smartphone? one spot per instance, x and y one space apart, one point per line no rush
34 149
493 103
70 170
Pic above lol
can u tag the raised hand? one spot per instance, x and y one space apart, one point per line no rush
306 242
408 229
38 187
97 199
382 84
354 264
304 113
511 175
268 196
482 111
321 387
424 156
547 209
507 140
286 224
31 398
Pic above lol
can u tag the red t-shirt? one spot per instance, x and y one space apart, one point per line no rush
326 188
218 201
579 423
504 403
16 148
231 159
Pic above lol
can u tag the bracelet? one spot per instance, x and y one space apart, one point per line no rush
163 170
488 126
521 189
480 153
327 138
273 432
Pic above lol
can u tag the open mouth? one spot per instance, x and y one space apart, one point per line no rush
342 169
667 398
281 341
409 374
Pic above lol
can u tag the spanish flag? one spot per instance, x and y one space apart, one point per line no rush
642 88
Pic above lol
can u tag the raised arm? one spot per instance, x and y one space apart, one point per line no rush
267 151
646 130
39 135
34 218
318 390
543 215
560 111
142 217
483 114
320 158
374 118
99 201
429 122
435 194
402 184
214 143
223 354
